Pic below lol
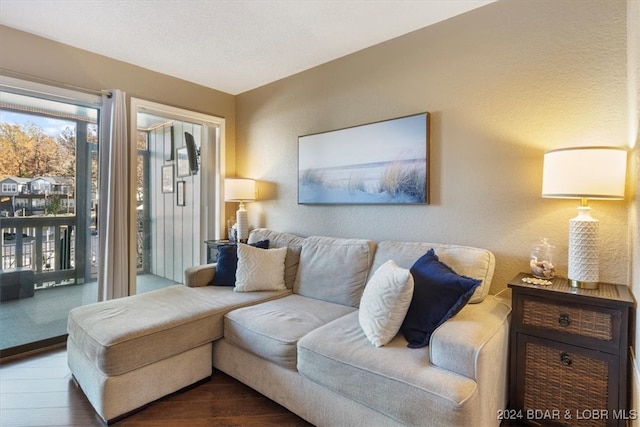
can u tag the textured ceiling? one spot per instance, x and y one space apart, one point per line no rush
229 45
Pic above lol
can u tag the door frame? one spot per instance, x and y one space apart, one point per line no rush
212 155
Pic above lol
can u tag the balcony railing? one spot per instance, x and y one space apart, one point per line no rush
50 246
55 249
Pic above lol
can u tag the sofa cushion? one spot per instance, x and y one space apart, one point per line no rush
468 261
339 357
260 269
278 239
227 263
272 329
124 334
334 270
385 302
439 293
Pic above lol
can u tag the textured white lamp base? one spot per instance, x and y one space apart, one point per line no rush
243 223
584 269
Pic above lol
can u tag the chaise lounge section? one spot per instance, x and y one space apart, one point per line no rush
127 352
303 345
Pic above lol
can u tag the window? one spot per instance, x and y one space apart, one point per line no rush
9 188
48 140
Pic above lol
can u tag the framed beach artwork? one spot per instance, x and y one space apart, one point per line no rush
379 163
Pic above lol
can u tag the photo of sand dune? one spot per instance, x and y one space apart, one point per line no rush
379 163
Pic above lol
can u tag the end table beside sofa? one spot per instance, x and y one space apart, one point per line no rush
570 354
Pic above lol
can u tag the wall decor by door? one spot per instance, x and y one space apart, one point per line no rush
385 162
167 179
180 198
170 144
182 162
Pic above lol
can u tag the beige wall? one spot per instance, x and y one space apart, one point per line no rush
503 84
26 53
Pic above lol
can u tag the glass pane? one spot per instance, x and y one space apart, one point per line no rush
142 250
46 107
168 230
48 193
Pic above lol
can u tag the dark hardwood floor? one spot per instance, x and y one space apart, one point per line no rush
40 391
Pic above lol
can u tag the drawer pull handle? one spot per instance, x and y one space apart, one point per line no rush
564 320
565 359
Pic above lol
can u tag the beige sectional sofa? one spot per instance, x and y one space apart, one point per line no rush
303 345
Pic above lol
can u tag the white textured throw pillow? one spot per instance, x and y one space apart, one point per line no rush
385 302
260 269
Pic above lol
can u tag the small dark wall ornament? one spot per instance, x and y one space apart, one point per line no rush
181 190
170 145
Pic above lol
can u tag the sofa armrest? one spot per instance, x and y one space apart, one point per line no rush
461 344
199 275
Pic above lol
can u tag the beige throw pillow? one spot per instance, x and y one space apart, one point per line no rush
260 269
385 302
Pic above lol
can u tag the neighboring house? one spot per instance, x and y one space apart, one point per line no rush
11 188
29 196
13 185
51 185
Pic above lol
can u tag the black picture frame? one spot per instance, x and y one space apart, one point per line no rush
182 162
167 179
180 193
170 144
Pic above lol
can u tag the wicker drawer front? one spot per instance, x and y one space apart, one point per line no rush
561 379
572 320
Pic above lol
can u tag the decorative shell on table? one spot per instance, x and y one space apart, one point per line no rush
541 260
542 269
534 281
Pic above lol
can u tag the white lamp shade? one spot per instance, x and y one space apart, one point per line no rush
589 172
239 189
584 173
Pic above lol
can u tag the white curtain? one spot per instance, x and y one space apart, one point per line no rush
113 195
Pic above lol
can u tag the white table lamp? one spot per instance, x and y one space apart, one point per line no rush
584 173
240 190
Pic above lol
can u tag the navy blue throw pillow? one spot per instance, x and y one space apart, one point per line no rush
227 263
438 294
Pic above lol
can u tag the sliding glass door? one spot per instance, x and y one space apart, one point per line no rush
48 222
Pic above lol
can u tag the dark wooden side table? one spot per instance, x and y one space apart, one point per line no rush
569 354
212 249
